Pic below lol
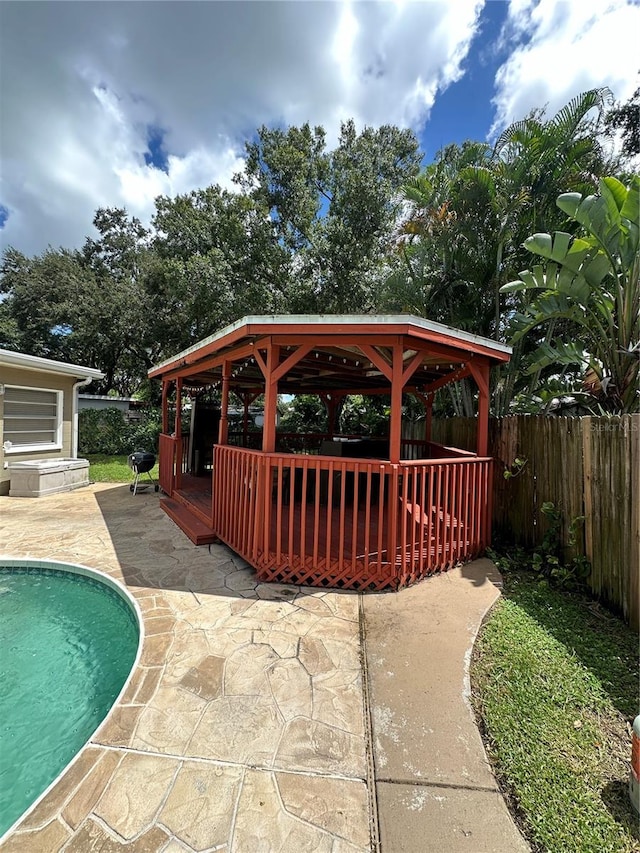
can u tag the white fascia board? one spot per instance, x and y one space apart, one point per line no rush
47 365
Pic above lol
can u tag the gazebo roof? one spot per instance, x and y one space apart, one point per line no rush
336 360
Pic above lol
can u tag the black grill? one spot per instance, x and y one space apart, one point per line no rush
141 462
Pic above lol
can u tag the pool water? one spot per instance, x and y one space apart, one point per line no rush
67 645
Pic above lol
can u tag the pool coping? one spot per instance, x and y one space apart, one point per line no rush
113 584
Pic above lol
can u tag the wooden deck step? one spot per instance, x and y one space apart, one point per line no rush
195 529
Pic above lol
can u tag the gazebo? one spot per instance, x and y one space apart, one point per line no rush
353 512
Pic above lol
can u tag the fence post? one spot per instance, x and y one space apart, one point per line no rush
588 478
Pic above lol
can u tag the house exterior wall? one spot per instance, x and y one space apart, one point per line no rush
27 378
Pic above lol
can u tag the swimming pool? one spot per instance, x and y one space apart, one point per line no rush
69 638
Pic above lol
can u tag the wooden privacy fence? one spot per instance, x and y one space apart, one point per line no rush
586 466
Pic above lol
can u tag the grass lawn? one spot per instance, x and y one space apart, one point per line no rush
555 683
114 469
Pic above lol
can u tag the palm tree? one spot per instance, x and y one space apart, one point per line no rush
560 154
469 213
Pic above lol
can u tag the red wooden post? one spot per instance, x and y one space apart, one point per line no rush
481 375
333 409
223 429
395 428
270 400
178 432
428 418
245 420
177 424
483 414
165 406
331 404
427 402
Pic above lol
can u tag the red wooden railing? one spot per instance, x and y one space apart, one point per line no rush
286 442
185 454
169 448
294 442
167 463
413 448
444 514
350 523
235 507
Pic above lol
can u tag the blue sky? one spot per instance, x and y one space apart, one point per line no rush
464 111
110 104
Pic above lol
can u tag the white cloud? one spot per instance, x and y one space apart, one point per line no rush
570 47
82 82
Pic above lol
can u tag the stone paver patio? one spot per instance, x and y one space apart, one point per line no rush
249 724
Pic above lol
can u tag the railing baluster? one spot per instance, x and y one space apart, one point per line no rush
292 507
473 471
464 506
367 519
316 520
303 513
279 500
354 518
343 484
424 520
329 527
381 513
404 500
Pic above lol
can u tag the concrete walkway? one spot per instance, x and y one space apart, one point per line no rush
265 718
435 789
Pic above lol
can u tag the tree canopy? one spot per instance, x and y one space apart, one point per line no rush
356 227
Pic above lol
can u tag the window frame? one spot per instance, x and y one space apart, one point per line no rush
31 448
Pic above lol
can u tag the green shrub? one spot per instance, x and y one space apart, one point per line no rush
107 431
145 433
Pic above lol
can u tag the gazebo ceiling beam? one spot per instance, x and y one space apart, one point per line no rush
447 379
193 368
310 361
327 363
377 360
262 364
411 368
302 378
290 362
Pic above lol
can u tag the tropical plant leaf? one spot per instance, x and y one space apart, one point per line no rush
554 248
631 207
616 190
561 354
569 203
569 117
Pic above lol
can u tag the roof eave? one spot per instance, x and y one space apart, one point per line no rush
48 365
357 324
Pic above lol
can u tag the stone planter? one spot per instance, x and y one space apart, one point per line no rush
39 477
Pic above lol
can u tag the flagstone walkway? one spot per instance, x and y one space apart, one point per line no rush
260 717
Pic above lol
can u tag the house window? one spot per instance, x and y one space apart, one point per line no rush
32 419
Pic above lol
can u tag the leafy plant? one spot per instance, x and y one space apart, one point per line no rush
565 568
516 469
587 294
106 431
